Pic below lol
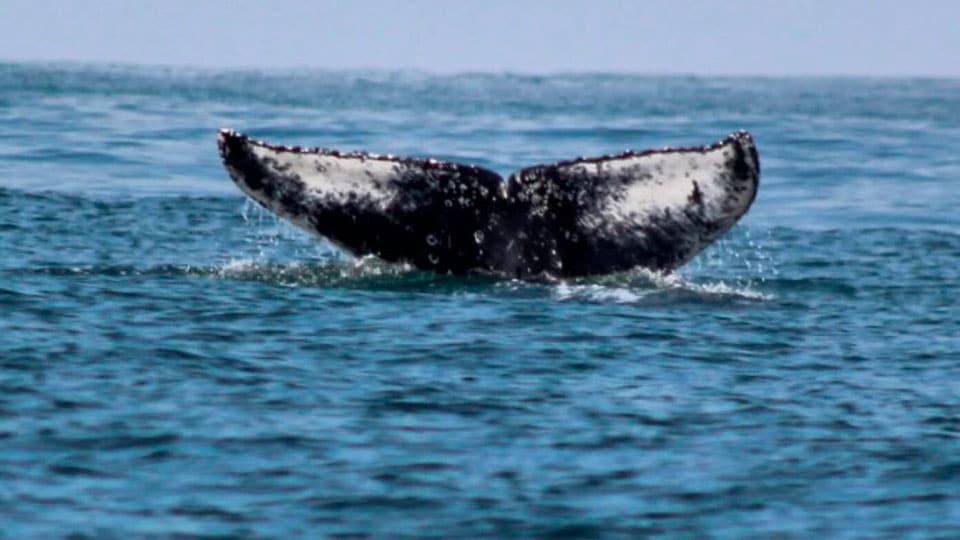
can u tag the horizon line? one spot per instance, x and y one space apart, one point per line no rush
286 69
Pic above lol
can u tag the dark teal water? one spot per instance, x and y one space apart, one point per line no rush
176 364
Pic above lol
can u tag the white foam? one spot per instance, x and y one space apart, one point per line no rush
641 284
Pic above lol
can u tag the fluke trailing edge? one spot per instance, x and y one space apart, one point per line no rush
654 209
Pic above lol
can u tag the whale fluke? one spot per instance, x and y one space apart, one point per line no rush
654 209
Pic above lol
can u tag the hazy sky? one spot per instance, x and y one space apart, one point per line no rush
854 37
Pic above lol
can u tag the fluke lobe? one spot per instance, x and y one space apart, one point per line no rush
654 209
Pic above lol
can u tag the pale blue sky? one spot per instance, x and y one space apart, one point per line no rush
787 37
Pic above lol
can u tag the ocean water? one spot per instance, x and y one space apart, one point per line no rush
175 363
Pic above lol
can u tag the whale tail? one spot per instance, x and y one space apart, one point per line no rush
655 209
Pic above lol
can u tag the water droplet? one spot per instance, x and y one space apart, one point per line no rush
448 203
433 258
478 236
431 240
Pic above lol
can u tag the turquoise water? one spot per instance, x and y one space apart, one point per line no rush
174 363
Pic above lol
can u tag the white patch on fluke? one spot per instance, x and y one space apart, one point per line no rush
337 177
667 181
670 181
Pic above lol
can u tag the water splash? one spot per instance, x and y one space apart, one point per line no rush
743 258
641 285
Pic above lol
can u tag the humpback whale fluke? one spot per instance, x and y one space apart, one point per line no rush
654 209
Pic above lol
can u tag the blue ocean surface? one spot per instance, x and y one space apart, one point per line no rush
177 363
